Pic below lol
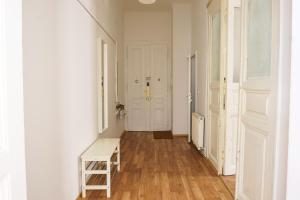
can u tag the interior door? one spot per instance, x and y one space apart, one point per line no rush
12 150
258 107
159 87
138 106
148 94
232 86
215 85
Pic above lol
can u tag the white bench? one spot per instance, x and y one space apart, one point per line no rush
101 152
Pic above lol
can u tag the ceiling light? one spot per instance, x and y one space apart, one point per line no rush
147 1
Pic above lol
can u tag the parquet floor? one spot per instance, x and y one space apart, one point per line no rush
162 169
229 181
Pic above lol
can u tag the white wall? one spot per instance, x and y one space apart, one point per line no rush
199 44
181 49
148 27
60 66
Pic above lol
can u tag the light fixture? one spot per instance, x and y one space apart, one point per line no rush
147 1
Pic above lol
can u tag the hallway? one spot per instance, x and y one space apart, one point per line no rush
77 77
162 169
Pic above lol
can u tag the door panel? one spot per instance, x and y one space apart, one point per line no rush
231 130
138 110
258 99
232 86
259 22
214 97
251 170
159 88
214 123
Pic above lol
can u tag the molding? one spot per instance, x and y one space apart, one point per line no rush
122 134
179 134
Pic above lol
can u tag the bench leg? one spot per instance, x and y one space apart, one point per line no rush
108 191
83 179
118 157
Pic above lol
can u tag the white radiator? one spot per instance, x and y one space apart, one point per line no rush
198 130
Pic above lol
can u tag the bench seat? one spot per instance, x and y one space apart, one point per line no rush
101 151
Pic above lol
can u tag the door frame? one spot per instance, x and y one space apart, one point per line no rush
293 163
228 85
13 184
169 72
189 96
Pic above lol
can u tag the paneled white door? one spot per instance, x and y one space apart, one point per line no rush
138 106
12 150
159 87
258 97
215 85
232 85
148 96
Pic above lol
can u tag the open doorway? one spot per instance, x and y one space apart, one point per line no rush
192 91
242 94
223 88
231 103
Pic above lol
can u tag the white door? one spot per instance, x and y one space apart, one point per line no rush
159 87
12 150
148 92
232 86
214 84
138 106
258 107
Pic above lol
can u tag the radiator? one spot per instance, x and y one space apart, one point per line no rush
198 130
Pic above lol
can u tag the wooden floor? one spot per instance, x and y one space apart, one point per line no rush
162 169
229 182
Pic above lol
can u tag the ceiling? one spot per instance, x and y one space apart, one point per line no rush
160 5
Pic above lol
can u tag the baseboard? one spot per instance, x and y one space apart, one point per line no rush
179 134
211 165
122 135
79 196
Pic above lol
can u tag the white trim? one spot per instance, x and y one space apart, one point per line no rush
102 60
293 173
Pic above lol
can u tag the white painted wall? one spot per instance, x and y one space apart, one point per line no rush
181 49
148 27
60 67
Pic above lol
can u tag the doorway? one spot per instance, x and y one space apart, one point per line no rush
215 85
192 90
223 88
243 78
148 91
